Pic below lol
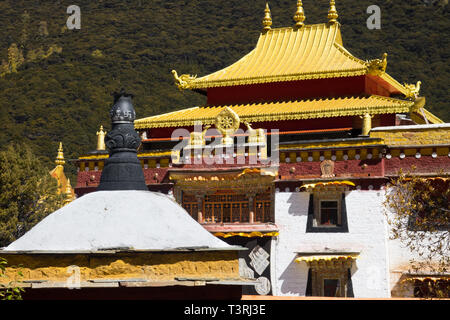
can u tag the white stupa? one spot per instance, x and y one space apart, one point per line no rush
123 214
139 220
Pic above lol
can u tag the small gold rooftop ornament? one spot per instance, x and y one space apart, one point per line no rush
101 139
299 16
267 21
198 138
183 81
68 193
412 90
60 157
332 13
377 67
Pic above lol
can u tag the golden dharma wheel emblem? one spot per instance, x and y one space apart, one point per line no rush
227 122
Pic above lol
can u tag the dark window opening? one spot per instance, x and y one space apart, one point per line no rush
330 216
329 213
331 288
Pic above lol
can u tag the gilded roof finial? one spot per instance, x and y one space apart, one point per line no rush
332 13
101 139
299 16
68 193
267 21
60 157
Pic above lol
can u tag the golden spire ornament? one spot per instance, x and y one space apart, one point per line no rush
60 157
299 16
68 193
267 21
101 139
332 13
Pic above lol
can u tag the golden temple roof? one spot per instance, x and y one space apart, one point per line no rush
288 54
276 111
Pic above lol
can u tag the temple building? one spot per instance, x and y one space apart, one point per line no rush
290 157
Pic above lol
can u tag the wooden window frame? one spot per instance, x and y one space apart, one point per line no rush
312 224
215 207
316 277
318 211
320 276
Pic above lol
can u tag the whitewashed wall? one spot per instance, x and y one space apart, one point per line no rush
367 234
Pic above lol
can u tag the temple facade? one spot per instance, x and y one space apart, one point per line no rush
290 158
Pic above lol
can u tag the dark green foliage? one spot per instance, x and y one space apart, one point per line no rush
66 96
27 192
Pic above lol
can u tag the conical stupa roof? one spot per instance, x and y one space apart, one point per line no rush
139 220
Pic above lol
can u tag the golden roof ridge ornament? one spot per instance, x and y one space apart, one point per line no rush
60 157
267 20
184 81
377 67
332 13
412 91
198 138
299 16
101 139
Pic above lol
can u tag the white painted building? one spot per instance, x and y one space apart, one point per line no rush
366 235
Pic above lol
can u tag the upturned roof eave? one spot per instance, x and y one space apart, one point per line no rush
181 118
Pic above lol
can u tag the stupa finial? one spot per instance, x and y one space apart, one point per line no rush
60 157
332 13
267 21
122 170
299 16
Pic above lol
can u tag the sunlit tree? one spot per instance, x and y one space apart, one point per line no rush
27 192
420 218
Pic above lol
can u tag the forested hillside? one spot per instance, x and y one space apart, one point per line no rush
56 84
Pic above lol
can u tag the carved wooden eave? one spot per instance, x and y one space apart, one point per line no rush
329 262
329 186
250 180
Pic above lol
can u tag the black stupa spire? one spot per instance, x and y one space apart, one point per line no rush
122 170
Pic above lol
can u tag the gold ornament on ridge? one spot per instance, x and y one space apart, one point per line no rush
377 67
299 16
267 21
332 13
